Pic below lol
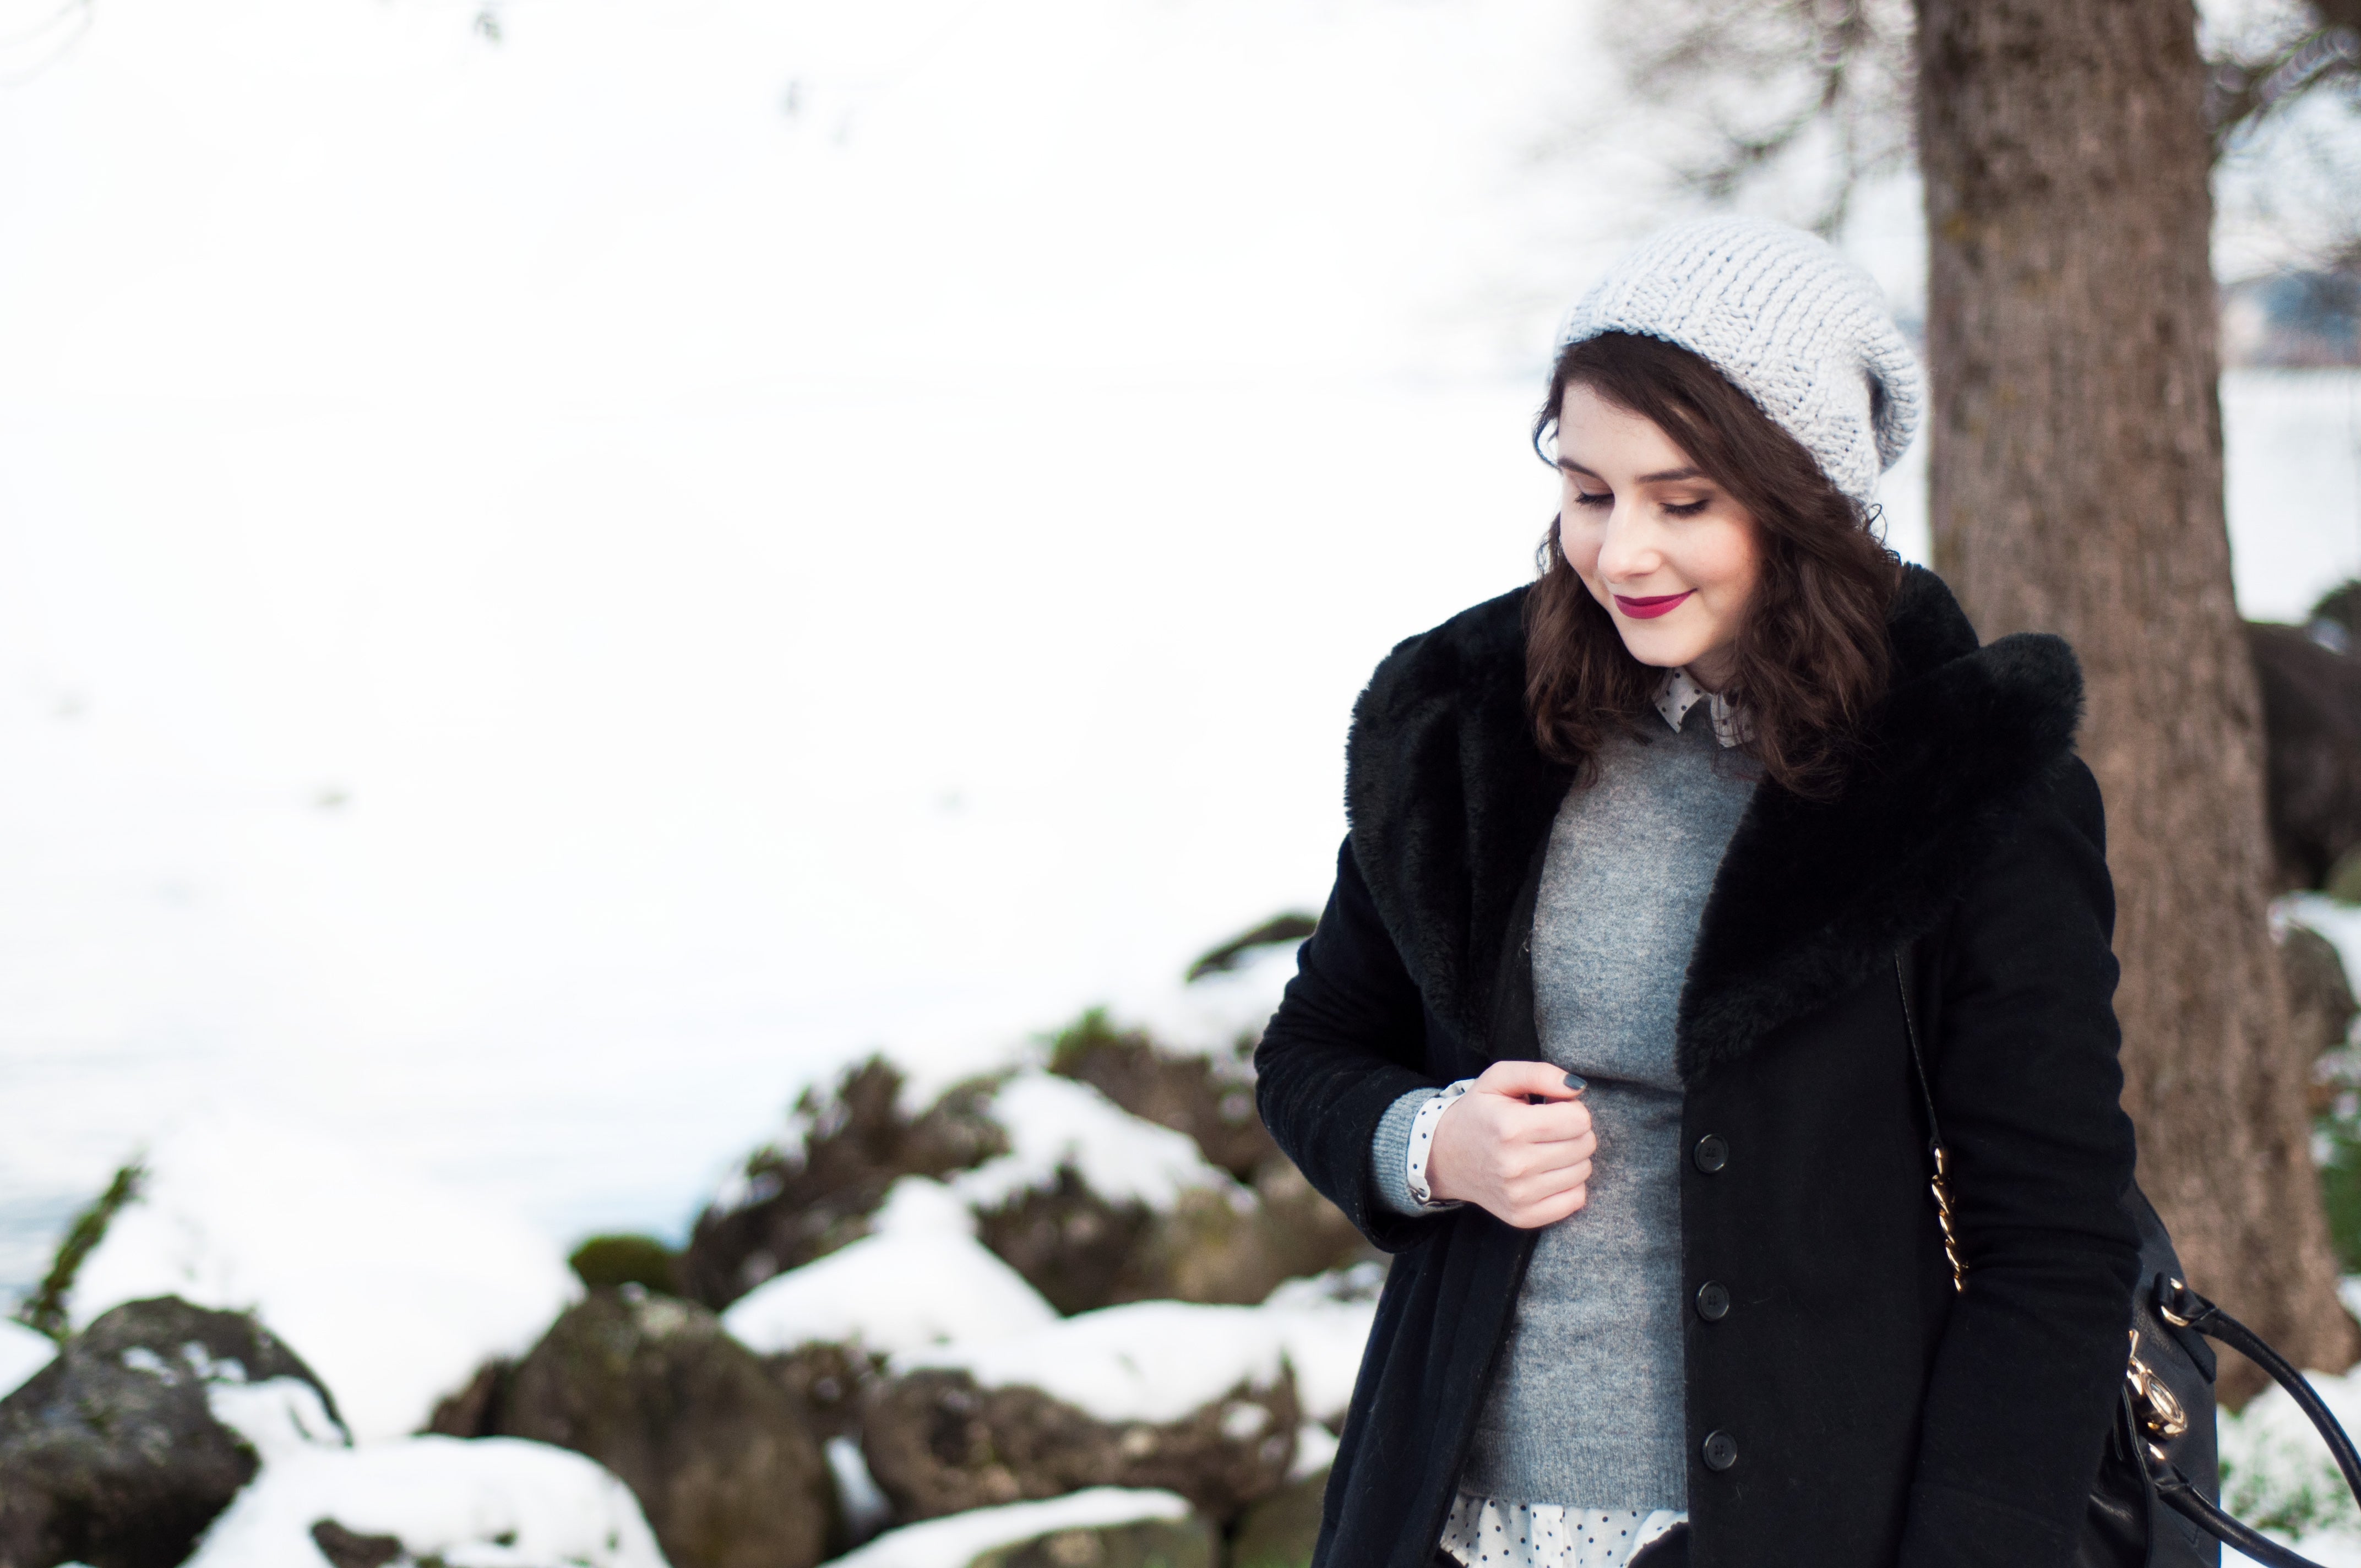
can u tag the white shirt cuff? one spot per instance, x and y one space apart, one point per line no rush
1421 1142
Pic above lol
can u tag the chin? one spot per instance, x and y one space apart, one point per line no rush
1663 653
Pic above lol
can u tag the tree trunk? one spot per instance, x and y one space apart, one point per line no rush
2077 489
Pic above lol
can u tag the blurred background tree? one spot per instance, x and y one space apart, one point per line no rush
2067 150
2075 486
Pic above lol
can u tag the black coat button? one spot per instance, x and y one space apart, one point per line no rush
1713 1300
1711 1154
1720 1451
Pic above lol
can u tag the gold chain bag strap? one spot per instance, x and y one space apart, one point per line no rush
1940 1184
2157 1431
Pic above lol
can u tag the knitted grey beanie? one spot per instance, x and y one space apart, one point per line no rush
1792 323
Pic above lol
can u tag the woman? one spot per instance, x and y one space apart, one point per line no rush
1603 1036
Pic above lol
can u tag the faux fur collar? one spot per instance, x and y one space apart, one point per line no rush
1450 802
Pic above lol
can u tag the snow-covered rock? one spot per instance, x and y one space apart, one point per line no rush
922 1280
1208 1094
392 1289
1323 1324
23 1351
146 1426
490 1503
959 1539
1052 1122
1147 1360
1166 1395
2340 922
1097 1205
818 1185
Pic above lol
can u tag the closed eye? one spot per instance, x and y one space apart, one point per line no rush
1605 497
1687 509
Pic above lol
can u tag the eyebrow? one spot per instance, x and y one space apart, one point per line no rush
1663 476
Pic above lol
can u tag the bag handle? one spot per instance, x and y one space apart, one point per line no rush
2180 1306
2184 1308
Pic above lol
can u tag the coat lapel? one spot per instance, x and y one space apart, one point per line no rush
1448 795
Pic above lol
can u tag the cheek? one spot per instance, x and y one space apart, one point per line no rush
1730 561
1580 542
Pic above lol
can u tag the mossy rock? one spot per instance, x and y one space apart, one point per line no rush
1211 1102
2344 882
938 1443
1190 1542
718 1454
112 1455
1281 1530
1079 1249
802 1203
611 1262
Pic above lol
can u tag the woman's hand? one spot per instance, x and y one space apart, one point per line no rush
1527 1165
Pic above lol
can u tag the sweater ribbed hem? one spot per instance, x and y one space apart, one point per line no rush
1608 1470
1390 1152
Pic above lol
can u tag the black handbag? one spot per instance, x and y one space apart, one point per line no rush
2154 1502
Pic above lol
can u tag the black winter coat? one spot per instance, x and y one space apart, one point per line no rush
1849 1410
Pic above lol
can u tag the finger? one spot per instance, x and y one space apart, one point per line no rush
1524 1080
1549 1210
1550 1159
1539 1186
1554 1124
1540 1159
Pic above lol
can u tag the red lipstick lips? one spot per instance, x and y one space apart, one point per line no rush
1650 606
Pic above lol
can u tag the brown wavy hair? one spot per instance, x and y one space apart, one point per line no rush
1811 657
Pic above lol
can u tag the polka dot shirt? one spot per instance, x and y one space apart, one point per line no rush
1483 1533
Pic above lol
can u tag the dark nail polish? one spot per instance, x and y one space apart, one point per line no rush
1576 1080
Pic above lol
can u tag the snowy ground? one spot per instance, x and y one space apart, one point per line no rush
552 591
2277 1473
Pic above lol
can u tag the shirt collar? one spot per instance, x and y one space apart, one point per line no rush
1678 693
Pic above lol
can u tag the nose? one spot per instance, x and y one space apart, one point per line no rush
1628 550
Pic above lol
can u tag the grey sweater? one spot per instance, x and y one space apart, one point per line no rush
1586 1408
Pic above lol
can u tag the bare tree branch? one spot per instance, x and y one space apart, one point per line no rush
1761 83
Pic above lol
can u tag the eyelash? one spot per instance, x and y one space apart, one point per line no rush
1684 508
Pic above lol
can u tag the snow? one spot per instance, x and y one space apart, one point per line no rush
277 1417
1053 1120
447 722
917 1205
23 1351
2340 922
900 1291
484 1503
867 1509
2277 1475
471 714
958 1540
391 1288
2328 1551
2292 482
1315 1449
1323 1324
1146 1361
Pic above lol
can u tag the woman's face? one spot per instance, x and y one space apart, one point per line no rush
1671 556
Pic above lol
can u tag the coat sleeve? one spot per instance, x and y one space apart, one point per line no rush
1348 1041
2026 1089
